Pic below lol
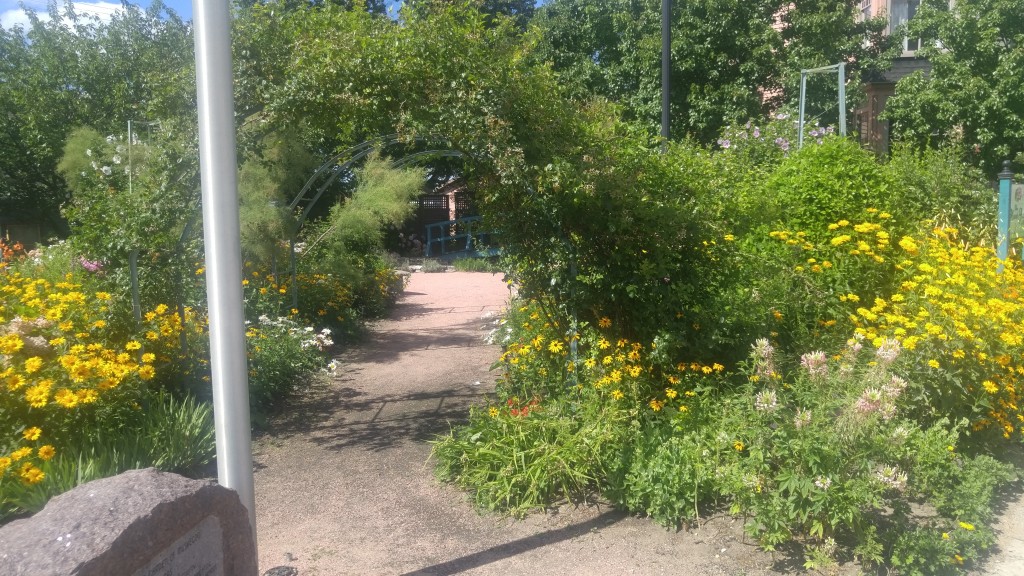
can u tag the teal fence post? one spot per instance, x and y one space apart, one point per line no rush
1003 237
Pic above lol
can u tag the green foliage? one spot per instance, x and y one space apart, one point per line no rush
71 70
837 454
163 432
972 98
122 200
283 354
668 477
820 33
347 76
823 183
723 56
477 265
131 197
729 59
348 245
932 184
519 11
524 455
382 198
433 267
266 180
641 258
822 453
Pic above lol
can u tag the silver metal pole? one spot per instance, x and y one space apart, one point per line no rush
219 170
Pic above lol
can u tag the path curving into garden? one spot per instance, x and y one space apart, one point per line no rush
344 485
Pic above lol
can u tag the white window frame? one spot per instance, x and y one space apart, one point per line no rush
900 12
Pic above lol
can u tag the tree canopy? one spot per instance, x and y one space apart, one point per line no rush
973 97
71 70
731 59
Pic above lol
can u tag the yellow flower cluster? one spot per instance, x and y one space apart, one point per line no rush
58 355
949 307
959 314
322 295
868 238
616 368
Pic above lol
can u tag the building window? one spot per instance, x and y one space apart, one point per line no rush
865 10
901 13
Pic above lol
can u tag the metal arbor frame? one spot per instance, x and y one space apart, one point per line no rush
840 69
341 164
333 169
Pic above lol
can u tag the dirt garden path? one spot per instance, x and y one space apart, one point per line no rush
344 486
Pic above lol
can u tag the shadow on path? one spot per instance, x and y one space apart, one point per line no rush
406 310
509 549
388 347
379 423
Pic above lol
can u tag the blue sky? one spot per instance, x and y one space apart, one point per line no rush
11 14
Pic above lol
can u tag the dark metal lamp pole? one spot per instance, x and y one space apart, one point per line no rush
666 57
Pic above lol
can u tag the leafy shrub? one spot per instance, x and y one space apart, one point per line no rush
477 265
824 183
649 273
617 231
561 418
130 196
933 185
827 451
281 353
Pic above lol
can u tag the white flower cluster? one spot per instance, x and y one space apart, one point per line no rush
892 477
764 359
321 341
802 418
816 363
766 401
855 344
881 400
888 351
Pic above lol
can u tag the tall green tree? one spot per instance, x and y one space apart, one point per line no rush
819 33
519 11
28 189
731 59
973 97
71 70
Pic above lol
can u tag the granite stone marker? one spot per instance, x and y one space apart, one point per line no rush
139 523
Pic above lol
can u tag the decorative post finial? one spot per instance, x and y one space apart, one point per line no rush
1007 169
